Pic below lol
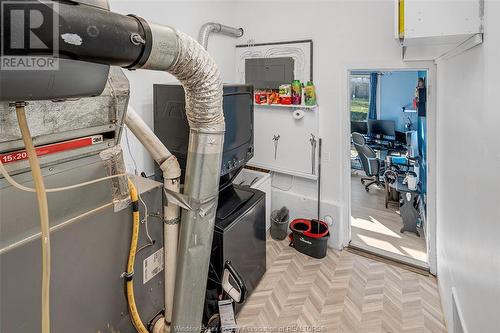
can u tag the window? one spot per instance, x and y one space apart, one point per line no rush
360 97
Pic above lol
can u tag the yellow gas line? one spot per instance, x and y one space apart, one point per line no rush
129 274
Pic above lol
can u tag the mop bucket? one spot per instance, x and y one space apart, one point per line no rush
310 237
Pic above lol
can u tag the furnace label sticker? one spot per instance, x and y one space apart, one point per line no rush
152 265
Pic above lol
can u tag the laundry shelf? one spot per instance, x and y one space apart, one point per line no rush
285 106
282 170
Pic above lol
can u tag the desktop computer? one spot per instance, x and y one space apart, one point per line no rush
360 127
381 128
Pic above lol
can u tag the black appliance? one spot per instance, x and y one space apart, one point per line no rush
240 237
172 128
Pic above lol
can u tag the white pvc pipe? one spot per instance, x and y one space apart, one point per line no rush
171 241
171 173
146 136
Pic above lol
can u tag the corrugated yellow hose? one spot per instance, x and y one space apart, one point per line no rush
129 283
44 214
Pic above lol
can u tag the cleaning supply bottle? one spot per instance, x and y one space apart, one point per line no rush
310 94
296 92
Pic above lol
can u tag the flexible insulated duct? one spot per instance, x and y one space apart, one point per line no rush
212 27
180 55
202 82
200 77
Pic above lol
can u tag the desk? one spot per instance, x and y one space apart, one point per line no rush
407 209
389 145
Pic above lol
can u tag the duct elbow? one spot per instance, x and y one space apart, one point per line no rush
202 82
171 168
212 27
230 31
180 55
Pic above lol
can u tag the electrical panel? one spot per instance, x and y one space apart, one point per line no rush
269 73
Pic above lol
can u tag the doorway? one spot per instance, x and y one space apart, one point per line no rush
388 163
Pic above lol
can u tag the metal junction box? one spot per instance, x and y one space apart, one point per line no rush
269 73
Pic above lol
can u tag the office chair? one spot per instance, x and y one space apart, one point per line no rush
371 164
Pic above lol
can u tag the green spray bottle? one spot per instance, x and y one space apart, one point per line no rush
310 94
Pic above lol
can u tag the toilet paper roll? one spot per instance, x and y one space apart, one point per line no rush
298 114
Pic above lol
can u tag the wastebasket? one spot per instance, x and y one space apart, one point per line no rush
279 229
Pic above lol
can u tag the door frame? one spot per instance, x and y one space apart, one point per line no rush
431 122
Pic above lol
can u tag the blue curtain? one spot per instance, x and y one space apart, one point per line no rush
372 110
422 148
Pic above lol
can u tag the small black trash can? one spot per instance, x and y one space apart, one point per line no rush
279 229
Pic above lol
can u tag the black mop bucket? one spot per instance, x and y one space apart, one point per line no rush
310 237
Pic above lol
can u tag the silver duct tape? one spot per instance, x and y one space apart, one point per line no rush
204 142
114 165
189 203
201 79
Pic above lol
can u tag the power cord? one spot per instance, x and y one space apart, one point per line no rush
144 221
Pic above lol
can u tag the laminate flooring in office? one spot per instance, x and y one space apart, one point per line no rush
376 228
342 292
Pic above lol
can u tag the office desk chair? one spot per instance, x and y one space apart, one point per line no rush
372 166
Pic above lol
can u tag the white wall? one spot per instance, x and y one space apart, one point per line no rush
188 17
468 236
346 35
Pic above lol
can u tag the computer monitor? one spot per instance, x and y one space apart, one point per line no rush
382 128
360 127
172 128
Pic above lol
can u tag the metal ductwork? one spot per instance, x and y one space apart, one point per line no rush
212 27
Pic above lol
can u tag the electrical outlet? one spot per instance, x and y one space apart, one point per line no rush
327 157
329 220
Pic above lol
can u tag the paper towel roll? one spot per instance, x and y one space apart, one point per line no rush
298 114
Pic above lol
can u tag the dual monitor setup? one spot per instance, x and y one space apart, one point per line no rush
375 128
385 130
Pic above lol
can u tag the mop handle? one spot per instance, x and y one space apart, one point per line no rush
320 141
